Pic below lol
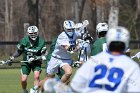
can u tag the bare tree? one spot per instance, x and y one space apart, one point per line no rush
101 10
7 29
33 12
114 11
11 20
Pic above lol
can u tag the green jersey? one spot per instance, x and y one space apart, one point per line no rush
98 46
52 47
31 50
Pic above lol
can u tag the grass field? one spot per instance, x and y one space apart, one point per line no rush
10 80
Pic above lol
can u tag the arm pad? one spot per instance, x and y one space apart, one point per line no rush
17 53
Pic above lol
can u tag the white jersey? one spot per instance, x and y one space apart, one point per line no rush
63 39
109 74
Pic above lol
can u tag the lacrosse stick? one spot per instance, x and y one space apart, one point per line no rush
137 55
2 62
85 23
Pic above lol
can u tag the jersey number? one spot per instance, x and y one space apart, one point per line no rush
29 55
114 77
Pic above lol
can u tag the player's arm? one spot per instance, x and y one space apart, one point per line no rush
43 50
20 48
17 53
44 53
71 48
64 42
95 49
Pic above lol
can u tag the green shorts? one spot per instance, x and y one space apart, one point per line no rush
26 68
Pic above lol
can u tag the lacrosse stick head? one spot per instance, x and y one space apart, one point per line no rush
2 62
85 23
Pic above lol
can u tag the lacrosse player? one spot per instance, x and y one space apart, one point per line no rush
109 71
52 47
64 45
33 49
100 43
61 56
84 42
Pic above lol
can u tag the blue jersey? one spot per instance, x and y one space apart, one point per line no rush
107 73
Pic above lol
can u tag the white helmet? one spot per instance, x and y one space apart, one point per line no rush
78 27
33 32
69 27
68 24
118 34
101 27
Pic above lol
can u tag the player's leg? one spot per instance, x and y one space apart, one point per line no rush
51 69
24 83
25 71
60 73
37 71
67 73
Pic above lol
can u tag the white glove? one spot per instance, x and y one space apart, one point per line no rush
83 44
43 57
12 58
30 60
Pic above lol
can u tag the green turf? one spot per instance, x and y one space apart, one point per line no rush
10 81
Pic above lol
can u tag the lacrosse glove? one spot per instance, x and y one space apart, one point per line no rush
30 60
8 62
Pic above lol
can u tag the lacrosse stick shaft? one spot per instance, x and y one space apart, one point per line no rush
23 61
133 57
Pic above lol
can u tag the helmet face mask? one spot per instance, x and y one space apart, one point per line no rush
33 32
70 30
118 34
69 27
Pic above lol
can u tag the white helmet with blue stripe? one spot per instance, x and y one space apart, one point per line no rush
120 34
69 27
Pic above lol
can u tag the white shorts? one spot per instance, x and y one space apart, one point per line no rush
55 63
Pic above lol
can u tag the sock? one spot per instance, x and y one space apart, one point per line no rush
25 91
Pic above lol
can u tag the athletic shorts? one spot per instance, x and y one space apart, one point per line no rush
26 68
55 63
